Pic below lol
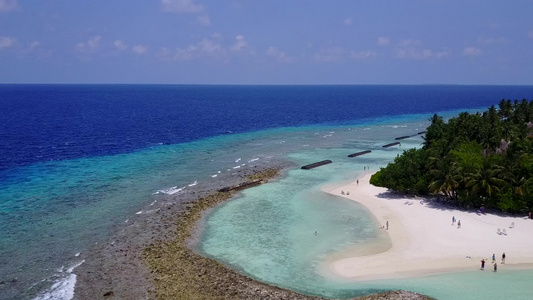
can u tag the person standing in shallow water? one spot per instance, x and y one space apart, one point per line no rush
503 258
483 264
495 267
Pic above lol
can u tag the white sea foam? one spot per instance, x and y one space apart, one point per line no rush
77 254
194 183
74 266
139 212
236 167
219 172
63 288
253 159
214 175
169 191
238 160
153 203
243 165
127 220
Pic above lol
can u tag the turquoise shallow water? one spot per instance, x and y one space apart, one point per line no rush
268 231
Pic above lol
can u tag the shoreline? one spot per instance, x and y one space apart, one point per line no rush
424 241
145 260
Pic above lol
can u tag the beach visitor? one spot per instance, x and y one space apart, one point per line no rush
503 258
453 220
348 193
483 264
493 257
495 267
316 232
459 224
357 181
387 225
342 192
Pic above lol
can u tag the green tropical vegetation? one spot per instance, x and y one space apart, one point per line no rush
473 160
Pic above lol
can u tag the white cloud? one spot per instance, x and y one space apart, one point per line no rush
348 21
240 43
187 7
491 40
410 43
383 41
205 48
411 49
35 44
8 5
210 47
94 42
163 54
181 6
471 51
413 53
204 20
217 36
186 54
120 45
139 49
90 46
330 54
279 55
6 41
363 54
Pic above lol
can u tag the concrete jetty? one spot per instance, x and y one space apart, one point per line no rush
403 137
317 164
391 144
359 153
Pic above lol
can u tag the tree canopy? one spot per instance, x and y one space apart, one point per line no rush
473 160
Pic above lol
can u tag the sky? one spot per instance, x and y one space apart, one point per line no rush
266 41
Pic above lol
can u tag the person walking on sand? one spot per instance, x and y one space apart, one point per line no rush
357 181
453 220
482 264
493 257
387 225
503 258
459 224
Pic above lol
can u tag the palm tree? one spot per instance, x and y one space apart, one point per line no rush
446 180
484 182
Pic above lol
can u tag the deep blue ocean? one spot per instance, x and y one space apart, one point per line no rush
76 160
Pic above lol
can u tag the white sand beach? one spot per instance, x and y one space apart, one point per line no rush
424 241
